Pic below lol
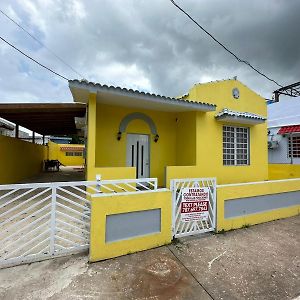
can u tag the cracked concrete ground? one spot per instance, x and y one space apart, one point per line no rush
259 262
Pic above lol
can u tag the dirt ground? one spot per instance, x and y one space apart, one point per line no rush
259 262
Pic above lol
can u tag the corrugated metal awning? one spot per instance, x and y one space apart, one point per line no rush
80 149
227 115
289 129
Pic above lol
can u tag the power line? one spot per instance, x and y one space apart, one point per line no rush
42 44
224 47
32 59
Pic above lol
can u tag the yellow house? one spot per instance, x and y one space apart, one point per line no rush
67 154
217 130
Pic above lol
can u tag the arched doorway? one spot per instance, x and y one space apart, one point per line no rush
138 145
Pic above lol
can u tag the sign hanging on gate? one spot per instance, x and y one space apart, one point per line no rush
194 204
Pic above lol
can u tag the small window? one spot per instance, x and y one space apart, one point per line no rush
294 146
235 146
78 153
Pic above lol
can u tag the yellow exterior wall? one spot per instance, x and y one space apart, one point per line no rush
55 153
19 159
189 141
113 173
231 192
91 137
112 153
283 171
209 144
115 204
186 139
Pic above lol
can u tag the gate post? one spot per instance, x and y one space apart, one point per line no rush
172 188
52 220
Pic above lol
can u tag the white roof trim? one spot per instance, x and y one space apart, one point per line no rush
227 115
172 103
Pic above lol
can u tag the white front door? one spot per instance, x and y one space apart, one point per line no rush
137 154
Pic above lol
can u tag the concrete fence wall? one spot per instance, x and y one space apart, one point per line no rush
283 171
240 205
19 159
55 153
127 223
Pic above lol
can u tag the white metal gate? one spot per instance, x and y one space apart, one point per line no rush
43 220
196 223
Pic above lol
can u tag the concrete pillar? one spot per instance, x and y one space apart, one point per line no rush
91 137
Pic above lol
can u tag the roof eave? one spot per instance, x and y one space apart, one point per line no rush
98 88
240 120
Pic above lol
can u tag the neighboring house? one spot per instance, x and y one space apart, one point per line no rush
6 128
60 140
9 129
217 130
284 132
67 154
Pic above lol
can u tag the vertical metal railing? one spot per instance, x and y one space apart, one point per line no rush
196 223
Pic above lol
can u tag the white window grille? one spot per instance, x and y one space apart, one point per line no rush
294 146
235 146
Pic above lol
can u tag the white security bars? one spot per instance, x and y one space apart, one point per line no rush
43 220
125 186
194 206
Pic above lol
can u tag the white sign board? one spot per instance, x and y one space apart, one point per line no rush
194 204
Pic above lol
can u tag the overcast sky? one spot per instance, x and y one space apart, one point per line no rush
146 45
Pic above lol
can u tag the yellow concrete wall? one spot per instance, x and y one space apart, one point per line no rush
186 139
209 147
113 173
55 153
19 159
91 138
112 153
115 204
283 171
231 192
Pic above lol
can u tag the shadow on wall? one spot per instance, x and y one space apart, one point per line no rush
19 159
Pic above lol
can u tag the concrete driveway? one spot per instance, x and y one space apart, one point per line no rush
259 262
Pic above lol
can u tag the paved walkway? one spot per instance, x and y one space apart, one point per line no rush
64 174
259 262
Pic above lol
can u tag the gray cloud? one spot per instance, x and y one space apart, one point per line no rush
147 45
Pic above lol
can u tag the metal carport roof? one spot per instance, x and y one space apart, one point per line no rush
44 118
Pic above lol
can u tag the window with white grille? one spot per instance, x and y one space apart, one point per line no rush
294 146
235 146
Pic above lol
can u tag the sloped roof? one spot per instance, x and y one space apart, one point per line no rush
289 129
230 115
145 96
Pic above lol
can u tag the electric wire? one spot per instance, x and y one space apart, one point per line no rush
42 44
223 46
33 59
